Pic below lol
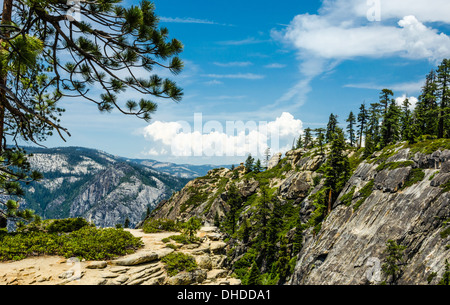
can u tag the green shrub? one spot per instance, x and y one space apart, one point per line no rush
394 165
160 225
365 193
177 262
87 243
66 225
414 176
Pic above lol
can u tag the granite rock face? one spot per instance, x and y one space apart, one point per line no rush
395 194
350 247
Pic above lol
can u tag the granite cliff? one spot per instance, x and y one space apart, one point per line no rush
400 194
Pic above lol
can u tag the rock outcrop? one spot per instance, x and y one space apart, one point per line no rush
401 193
141 268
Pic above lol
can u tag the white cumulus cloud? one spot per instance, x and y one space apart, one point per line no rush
233 138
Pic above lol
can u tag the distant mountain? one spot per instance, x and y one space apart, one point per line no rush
100 187
178 170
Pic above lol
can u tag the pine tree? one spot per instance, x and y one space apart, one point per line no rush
385 99
254 276
263 211
308 140
426 112
249 163
299 143
273 227
390 129
217 220
394 260
351 120
406 120
234 201
257 168
320 138
245 230
362 123
443 92
337 167
331 128
373 124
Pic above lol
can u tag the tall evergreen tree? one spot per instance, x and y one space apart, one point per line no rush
299 142
273 227
373 124
443 92
362 123
257 168
308 139
406 122
331 127
337 167
234 201
390 129
263 211
320 138
249 163
426 112
351 120
385 99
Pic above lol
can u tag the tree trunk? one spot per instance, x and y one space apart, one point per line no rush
6 19
329 201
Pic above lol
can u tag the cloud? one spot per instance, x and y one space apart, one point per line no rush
342 30
250 76
407 87
190 20
246 41
234 64
274 66
413 100
235 138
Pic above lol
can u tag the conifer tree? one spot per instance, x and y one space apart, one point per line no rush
443 92
337 167
390 129
299 142
385 99
406 122
308 140
273 227
234 201
249 163
263 211
331 128
257 168
426 112
373 124
320 137
351 120
362 123
254 276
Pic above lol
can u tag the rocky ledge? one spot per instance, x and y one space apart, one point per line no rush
143 267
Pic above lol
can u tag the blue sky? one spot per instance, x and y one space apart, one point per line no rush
289 63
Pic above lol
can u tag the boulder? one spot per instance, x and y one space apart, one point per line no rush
136 258
274 160
391 180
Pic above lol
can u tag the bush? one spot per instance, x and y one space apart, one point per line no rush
66 225
160 225
87 243
177 262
